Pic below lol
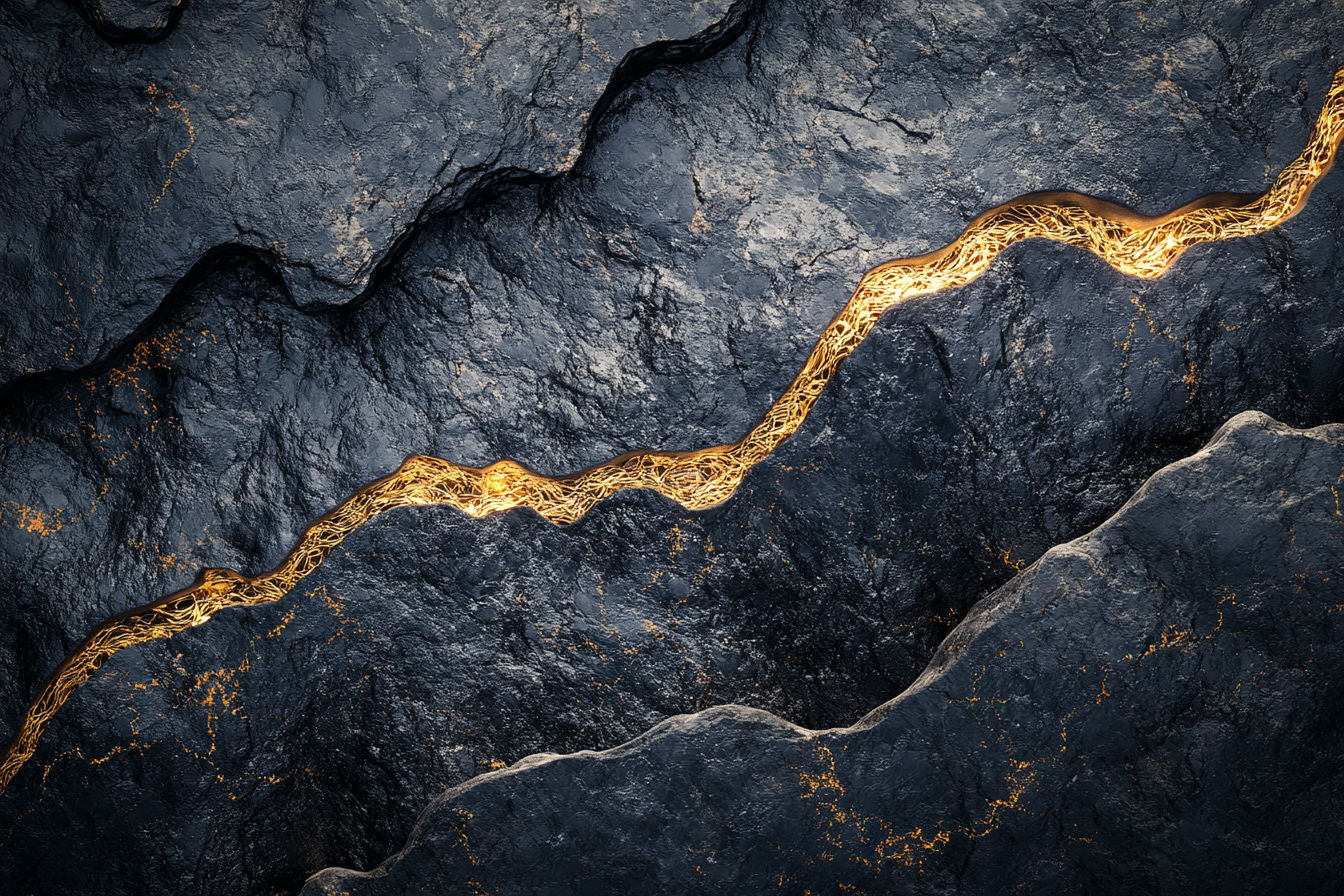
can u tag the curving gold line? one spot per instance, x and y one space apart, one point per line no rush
1133 243
176 105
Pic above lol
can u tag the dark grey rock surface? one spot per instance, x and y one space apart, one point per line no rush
318 134
659 294
1152 708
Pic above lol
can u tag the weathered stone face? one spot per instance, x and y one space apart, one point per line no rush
658 295
318 135
1150 706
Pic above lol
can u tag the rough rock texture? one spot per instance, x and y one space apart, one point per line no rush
319 134
660 294
1152 708
130 21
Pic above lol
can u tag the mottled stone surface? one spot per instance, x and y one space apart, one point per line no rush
1151 708
319 135
660 294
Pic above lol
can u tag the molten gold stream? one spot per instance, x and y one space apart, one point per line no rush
1130 242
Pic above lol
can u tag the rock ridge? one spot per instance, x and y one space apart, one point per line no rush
1114 720
282 112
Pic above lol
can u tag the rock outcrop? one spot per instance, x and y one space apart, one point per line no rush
1151 708
318 137
657 287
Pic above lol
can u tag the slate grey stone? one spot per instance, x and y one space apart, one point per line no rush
1151 708
659 294
319 135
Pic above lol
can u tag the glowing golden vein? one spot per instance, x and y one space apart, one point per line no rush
1130 242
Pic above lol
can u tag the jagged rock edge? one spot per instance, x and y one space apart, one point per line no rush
981 618
637 64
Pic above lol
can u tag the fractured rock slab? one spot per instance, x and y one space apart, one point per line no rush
1152 707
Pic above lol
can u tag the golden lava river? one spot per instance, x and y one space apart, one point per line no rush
1133 243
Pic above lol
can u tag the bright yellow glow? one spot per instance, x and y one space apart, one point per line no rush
1130 242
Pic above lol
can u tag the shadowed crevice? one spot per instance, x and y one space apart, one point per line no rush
106 25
